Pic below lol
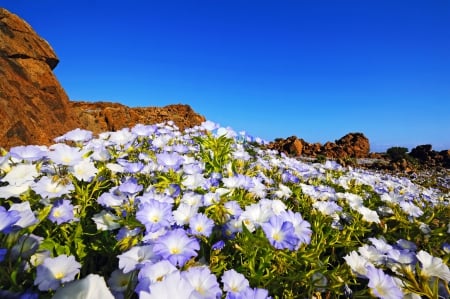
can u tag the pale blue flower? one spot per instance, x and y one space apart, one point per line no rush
280 233
382 285
136 257
106 221
152 273
170 160
27 217
61 212
155 215
26 246
433 266
21 174
8 219
55 271
51 188
63 154
203 281
29 153
130 187
119 282
77 135
174 286
302 227
85 170
234 282
200 224
176 247
92 286
113 198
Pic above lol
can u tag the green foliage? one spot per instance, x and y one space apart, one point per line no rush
397 153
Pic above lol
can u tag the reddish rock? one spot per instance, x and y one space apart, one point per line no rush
35 108
105 116
32 102
356 145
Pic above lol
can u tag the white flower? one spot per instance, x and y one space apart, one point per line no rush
20 174
92 286
433 266
106 221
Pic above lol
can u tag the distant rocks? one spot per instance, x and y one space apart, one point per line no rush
352 145
35 108
105 116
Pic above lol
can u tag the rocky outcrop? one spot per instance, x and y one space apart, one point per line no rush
105 116
35 108
352 145
32 102
425 155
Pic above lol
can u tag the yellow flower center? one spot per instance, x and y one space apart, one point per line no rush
59 275
175 251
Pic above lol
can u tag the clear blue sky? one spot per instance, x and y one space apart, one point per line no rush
316 69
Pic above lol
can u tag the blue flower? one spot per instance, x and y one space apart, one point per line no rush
177 247
61 212
201 225
155 215
54 271
8 219
280 233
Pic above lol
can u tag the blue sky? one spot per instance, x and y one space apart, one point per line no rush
315 69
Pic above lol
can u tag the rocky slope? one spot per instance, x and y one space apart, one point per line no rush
34 106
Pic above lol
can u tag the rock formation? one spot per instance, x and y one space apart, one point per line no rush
104 116
352 145
32 102
35 108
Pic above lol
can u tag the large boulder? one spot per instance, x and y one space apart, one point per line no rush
32 102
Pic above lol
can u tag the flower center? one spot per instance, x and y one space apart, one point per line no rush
59 275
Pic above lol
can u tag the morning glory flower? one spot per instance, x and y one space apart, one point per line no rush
203 281
250 293
382 285
234 282
29 153
170 160
302 227
54 271
254 215
174 286
152 273
50 188
92 286
200 224
85 170
27 217
433 266
119 282
26 246
183 213
358 263
411 209
155 215
280 233
8 219
21 174
61 212
106 220
327 208
63 154
130 187
78 135
176 247
135 257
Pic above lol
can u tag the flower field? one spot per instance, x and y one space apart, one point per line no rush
152 212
